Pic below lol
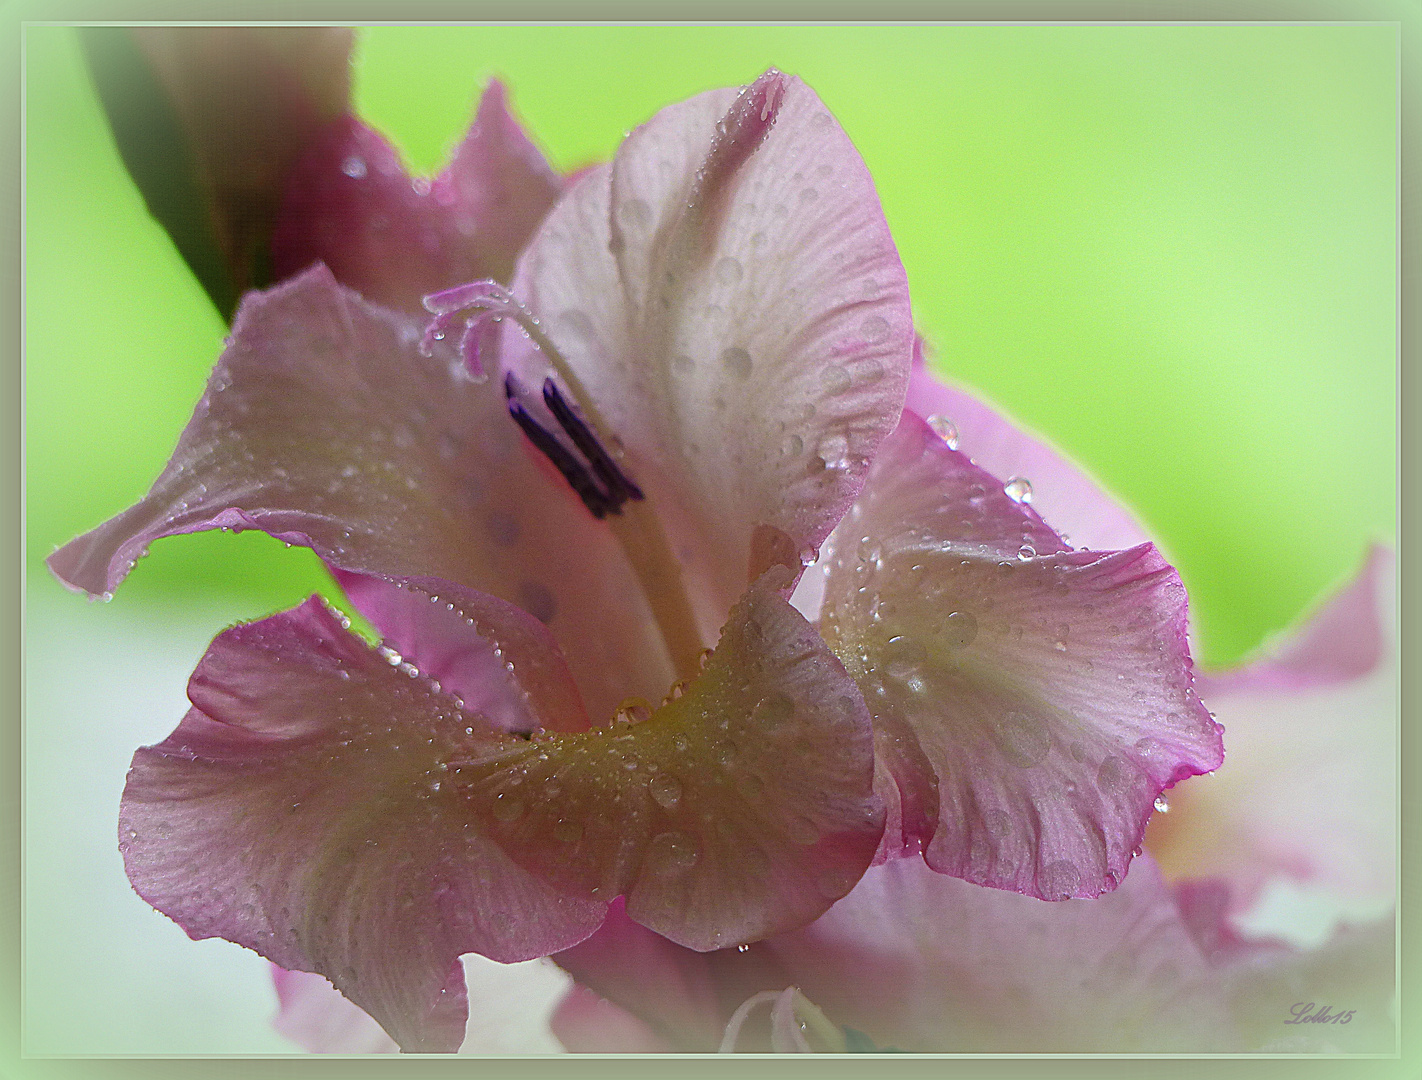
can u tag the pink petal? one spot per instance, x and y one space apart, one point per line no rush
304 809
1061 492
728 293
588 1024
516 678
511 1007
740 809
685 997
931 964
1049 689
351 204
313 1014
332 808
1308 790
323 425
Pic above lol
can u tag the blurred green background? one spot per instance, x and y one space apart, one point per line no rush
1169 249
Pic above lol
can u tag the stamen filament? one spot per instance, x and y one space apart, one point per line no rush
638 529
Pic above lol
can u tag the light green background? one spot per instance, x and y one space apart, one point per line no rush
1170 249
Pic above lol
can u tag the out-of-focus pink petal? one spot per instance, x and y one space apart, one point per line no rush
304 808
511 1007
516 678
728 293
740 809
323 425
1062 493
313 1014
588 1024
928 963
351 204
1340 998
1050 689
1308 790
925 963
686 997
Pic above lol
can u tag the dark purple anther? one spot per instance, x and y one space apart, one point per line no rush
615 487
619 485
572 469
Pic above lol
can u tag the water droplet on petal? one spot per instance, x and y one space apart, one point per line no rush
945 429
1026 552
835 378
1022 738
507 809
728 271
1018 489
1162 806
568 831
959 630
673 852
354 167
874 329
633 710
666 790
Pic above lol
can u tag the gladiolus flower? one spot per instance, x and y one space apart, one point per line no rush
702 362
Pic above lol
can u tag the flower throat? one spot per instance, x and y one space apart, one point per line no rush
583 460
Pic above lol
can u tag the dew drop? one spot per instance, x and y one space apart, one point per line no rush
569 832
507 809
633 710
666 790
903 655
354 167
1018 489
874 329
775 709
1026 552
959 630
1112 775
945 429
673 852
1162 806
835 378
737 362
728 271
997 823
742 948
834 882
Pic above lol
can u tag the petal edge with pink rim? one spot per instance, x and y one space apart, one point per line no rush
1049 689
